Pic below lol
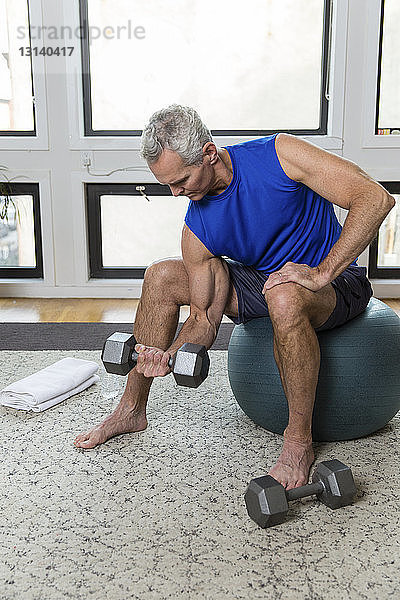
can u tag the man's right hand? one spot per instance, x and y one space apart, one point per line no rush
152 362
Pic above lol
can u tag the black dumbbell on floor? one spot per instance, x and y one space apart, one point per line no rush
267 500
189 365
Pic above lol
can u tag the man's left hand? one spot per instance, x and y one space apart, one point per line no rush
309 277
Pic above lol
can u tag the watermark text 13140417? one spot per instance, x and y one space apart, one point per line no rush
46 51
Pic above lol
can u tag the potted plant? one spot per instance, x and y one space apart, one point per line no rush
6 195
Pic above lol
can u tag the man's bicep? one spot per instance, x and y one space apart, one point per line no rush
208 279
192 248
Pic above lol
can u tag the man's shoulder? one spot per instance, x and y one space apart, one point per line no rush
257 144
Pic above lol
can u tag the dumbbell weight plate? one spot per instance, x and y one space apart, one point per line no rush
191 365
266 501
117 353
337 479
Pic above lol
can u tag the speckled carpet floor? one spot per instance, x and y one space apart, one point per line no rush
160 514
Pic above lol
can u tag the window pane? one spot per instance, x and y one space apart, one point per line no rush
389 100
17 235
242 67
389 238
16 106
135 232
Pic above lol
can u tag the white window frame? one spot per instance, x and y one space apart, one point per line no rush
80 232
10 285
332 141
370 139
40 141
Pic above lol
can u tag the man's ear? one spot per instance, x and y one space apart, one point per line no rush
210 150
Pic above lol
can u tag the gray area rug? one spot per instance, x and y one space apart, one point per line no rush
160 514
77 336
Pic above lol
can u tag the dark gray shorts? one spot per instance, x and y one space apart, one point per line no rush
352 287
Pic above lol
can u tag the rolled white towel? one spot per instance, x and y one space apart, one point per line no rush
51 385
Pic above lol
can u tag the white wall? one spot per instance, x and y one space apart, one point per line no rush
55 158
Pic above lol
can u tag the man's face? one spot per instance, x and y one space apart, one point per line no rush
191 181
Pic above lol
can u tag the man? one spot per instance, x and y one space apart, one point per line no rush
266 204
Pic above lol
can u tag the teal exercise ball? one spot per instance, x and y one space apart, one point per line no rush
358 389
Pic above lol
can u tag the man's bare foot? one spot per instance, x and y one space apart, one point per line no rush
293 466
122 420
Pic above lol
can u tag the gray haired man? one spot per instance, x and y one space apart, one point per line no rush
266 205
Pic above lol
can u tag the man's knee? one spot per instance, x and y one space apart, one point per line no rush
287 302
159 268
167 275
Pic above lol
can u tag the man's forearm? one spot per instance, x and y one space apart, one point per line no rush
196 332
360 228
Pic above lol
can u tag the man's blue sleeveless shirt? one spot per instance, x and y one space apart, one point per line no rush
264 219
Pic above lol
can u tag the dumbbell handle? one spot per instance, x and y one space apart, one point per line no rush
135 355
305 490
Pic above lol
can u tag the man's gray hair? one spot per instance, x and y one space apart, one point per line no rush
178 128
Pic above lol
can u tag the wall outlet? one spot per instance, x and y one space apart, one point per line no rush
87 159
